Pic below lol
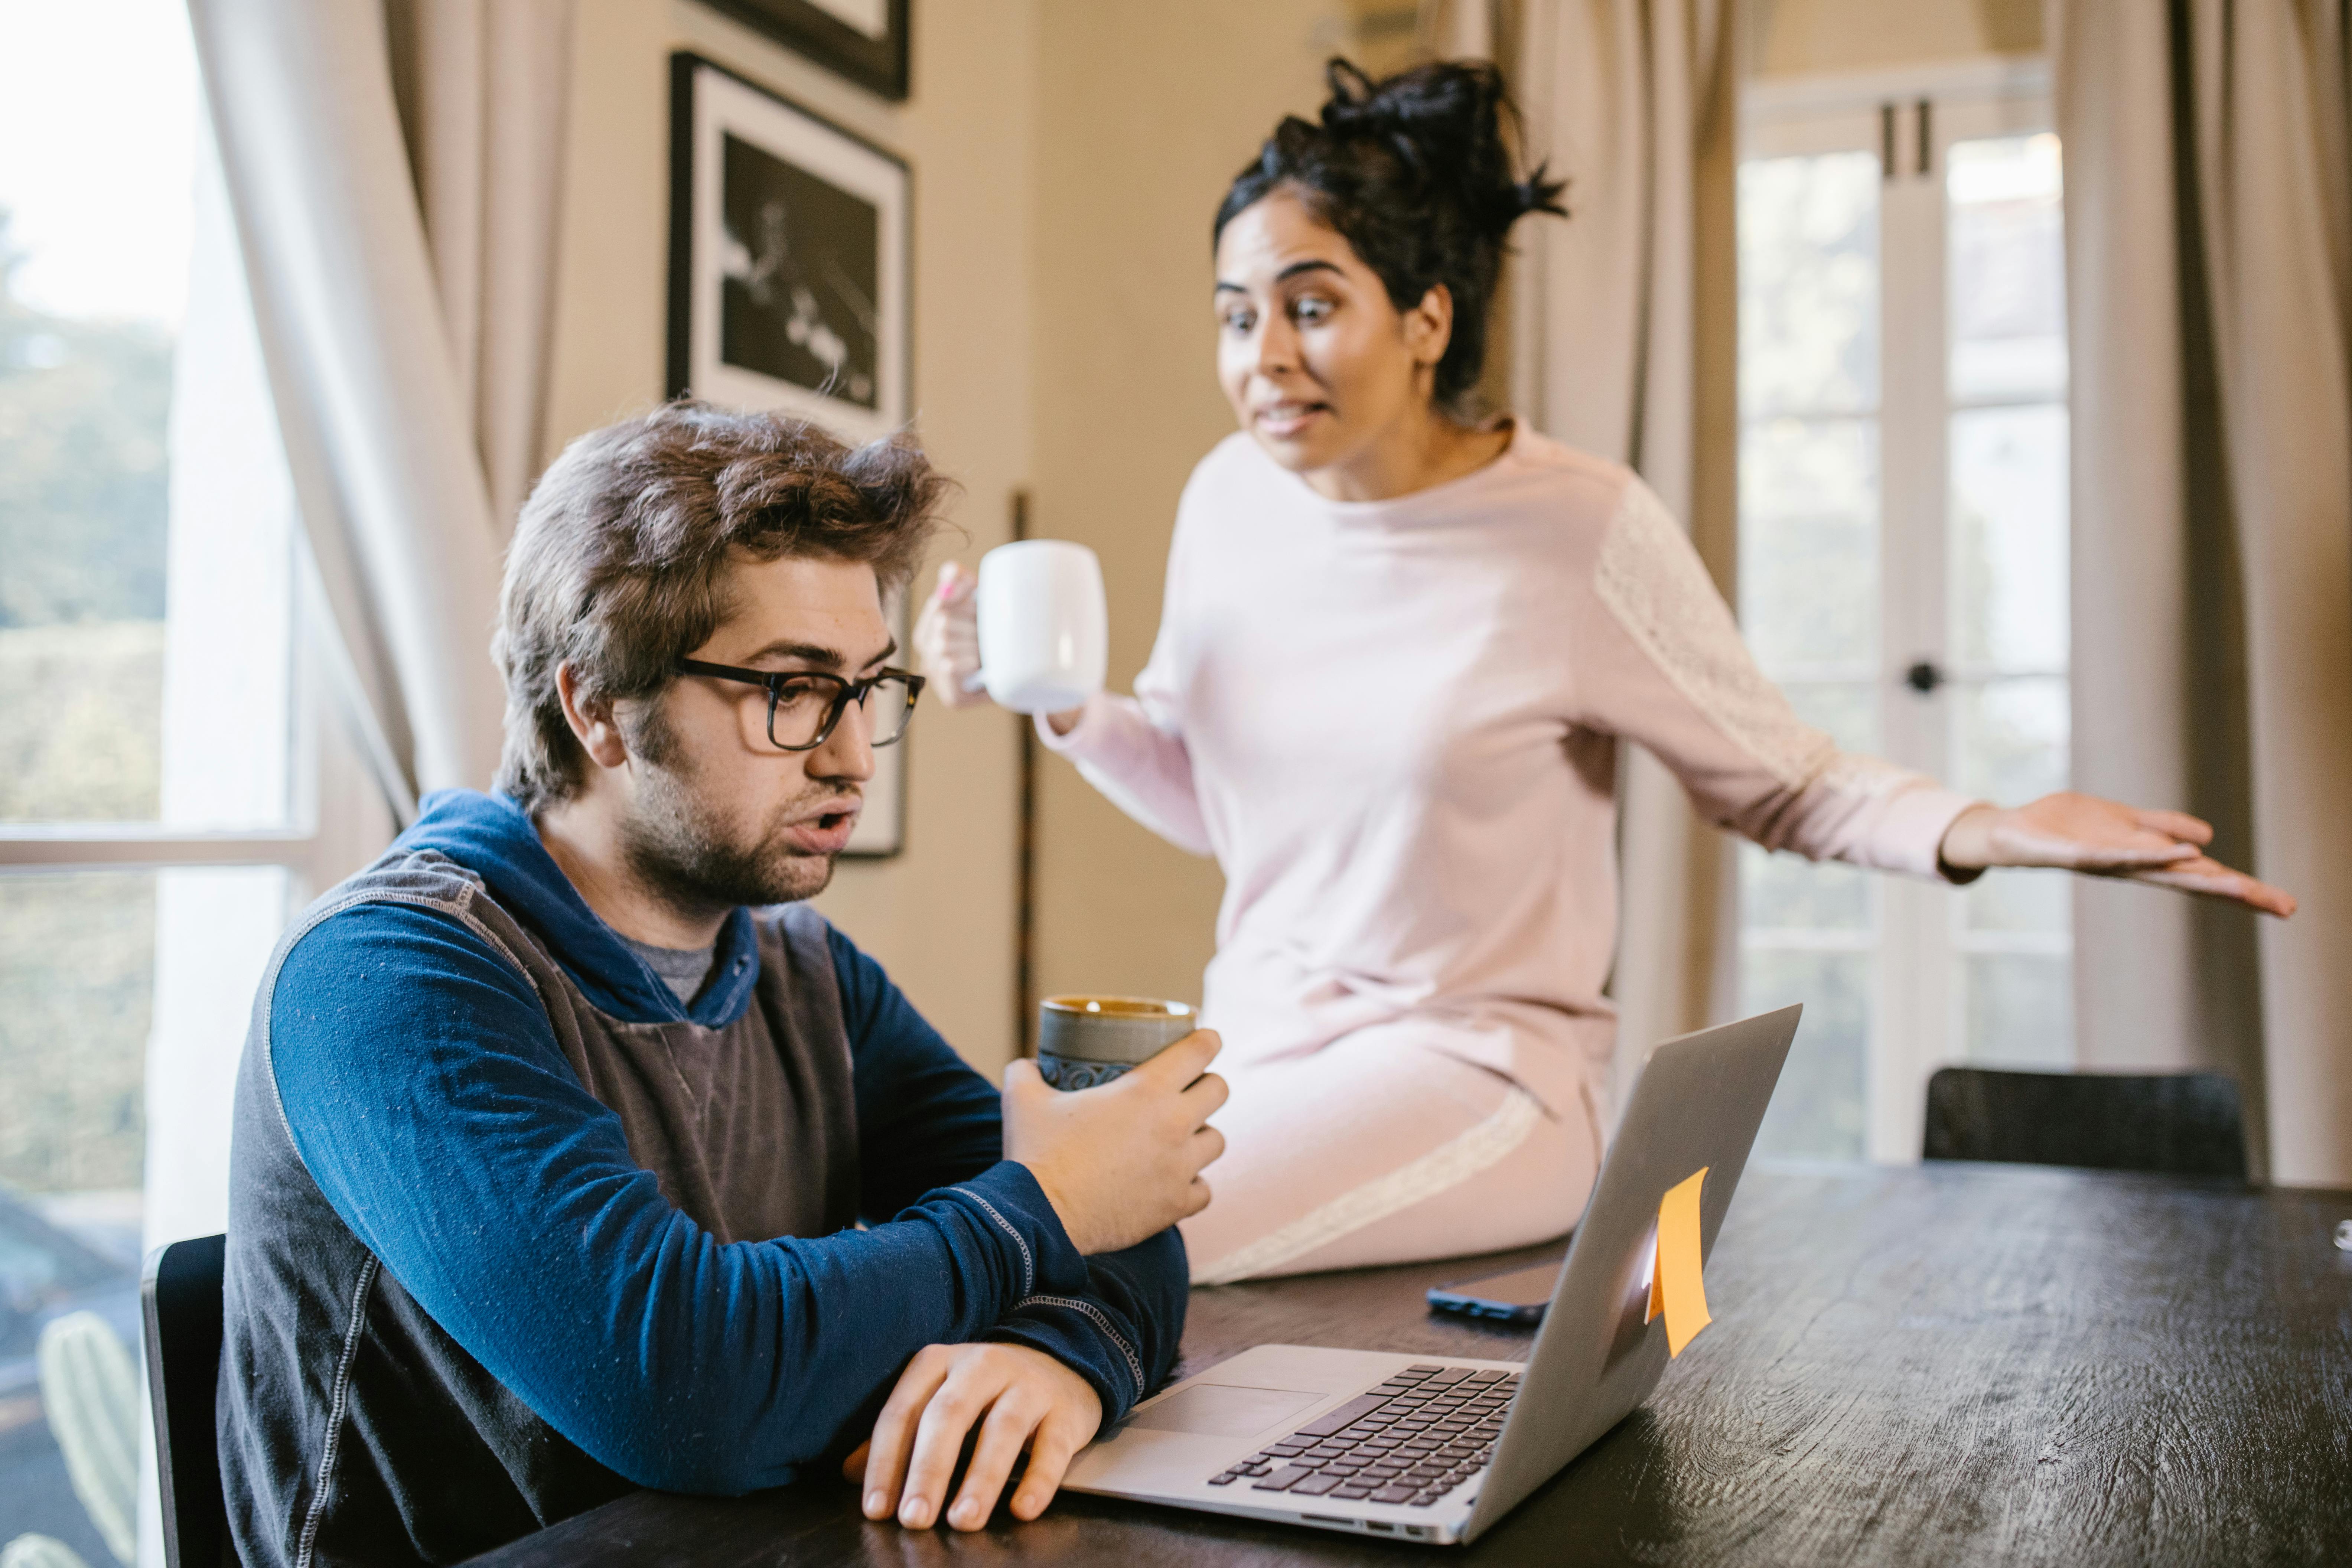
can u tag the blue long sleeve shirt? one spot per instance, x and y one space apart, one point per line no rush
416 1071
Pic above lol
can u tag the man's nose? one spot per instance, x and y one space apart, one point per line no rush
848 752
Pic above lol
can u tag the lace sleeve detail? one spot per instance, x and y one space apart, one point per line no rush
1681 682
1652 581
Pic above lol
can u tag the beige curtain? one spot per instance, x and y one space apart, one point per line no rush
393 170
482 89
1464 29
1625 344
2209 227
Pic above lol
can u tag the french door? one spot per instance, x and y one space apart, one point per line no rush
1904 564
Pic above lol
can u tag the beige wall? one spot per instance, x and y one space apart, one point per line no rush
939 915
1068 156
1145 114
1803 38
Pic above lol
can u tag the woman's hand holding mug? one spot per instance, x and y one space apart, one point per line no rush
1031 632
947 639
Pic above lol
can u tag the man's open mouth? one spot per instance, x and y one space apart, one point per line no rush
843 814
826 832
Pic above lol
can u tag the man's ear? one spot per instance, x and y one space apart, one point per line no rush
591 718
1429 326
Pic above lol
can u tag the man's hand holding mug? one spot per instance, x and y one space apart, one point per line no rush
1121 1161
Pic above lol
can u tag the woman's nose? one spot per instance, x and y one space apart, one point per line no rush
1277 346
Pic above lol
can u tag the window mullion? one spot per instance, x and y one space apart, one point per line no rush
1911 1030
59 848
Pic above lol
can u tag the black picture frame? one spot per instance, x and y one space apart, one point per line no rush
790 290
875 61
827 182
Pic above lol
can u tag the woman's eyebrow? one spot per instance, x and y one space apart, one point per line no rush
1288 273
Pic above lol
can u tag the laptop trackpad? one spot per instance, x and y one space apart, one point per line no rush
1220 1410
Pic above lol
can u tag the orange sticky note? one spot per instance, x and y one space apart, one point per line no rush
1677 1291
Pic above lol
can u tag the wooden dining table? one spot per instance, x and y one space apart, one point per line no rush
1946 1363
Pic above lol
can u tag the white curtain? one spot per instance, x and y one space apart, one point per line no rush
2209 230
1624 344
392 171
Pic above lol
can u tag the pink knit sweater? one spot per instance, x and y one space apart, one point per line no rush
1394 723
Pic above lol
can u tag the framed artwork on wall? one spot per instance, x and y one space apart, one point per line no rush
789 279
789 257
865 40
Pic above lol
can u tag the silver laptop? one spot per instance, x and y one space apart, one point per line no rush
1433 1449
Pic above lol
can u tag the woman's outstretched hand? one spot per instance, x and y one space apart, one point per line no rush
2105 839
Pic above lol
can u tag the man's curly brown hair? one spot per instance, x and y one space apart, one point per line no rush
619 564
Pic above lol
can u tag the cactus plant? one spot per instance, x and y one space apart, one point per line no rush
39 1552
91 1389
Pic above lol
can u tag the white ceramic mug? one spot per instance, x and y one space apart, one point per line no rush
1044 631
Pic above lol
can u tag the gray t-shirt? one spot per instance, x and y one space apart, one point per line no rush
682 969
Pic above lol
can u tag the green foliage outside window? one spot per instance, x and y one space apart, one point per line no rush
83 408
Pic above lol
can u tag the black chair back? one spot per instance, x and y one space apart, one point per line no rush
179 1295
2182 1124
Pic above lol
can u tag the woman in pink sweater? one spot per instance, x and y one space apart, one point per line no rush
1397 652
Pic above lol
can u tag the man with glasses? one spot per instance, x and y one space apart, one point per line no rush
574 1152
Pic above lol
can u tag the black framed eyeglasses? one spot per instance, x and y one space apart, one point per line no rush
804 705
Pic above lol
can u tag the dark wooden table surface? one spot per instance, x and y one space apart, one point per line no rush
1949 1365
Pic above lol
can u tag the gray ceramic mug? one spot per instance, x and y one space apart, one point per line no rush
1086 1040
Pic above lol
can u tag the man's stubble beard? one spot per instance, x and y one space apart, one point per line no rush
684 852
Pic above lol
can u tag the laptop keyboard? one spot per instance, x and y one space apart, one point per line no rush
1412 1439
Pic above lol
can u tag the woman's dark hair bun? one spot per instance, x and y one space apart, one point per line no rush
1445 120
1416 172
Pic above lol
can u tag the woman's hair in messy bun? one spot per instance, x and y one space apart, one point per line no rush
1412 171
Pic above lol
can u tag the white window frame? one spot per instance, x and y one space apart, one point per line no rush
322 828
1905 116
205 957
276 700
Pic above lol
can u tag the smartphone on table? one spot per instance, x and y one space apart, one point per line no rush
1518 1297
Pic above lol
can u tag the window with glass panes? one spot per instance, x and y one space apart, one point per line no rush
1904 564
168 793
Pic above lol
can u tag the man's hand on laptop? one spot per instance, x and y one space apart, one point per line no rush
1017 1397
1120 1163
